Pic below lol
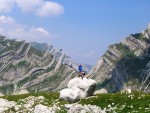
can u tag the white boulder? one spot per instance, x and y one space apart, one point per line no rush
44 109
69 95
41 109
78 88
101 91
128 90
5 104
78 108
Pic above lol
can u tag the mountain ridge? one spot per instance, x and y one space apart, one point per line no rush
26 68
57 53
125 65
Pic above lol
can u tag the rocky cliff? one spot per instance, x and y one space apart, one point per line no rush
28 67
57 53
125 65
25 68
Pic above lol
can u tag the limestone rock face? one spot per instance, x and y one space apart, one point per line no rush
78 88
24 68
34 67
135 45
125 64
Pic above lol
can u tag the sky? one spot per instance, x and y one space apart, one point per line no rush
82 28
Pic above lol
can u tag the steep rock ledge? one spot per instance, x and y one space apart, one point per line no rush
125 65
23 67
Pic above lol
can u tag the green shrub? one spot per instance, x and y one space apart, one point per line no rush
22 63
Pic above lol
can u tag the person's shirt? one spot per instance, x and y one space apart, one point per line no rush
80 67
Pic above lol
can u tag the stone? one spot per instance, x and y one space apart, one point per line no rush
5 104
44 109
127 90
69 95
78 108
77 89
41 109
101 91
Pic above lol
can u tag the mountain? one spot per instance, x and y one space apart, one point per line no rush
57 54
125 65
24 68
35 67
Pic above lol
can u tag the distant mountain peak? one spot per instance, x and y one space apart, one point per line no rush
58 53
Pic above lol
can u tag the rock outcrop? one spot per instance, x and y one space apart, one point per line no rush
101 91
44 109
30 104
25 68
40 104
5 104
78 108
77 89
125 65
57 53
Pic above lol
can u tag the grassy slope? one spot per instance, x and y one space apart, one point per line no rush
119 102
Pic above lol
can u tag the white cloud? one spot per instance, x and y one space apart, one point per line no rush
6 5
29 5
11 29
6 20
50 8
38 7
40 30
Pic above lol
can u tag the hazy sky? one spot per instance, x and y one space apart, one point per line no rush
82 28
